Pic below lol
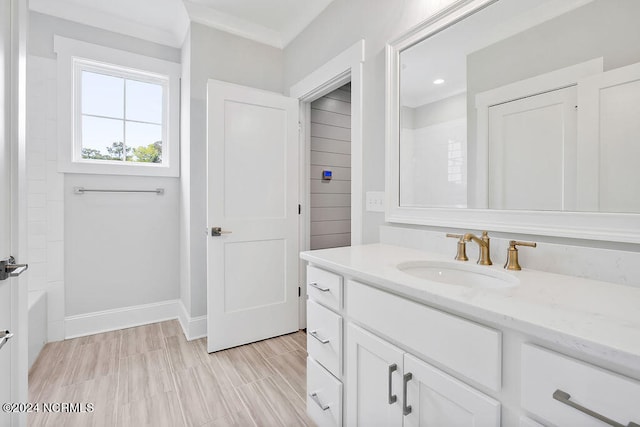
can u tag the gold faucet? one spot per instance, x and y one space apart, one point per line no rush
483 244
512 254
461 255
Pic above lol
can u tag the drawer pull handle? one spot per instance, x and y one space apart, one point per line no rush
315 335
392 397
315 398
563 397
406 409
318 287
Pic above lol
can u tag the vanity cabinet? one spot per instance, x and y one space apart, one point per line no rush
390 387
324 347
378 345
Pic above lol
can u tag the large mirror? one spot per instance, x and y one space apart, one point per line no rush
521 107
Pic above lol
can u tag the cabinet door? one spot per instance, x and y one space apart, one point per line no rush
374 380
437 399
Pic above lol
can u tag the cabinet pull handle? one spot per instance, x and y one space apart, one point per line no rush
563 397
315 335
392 397
406 409
315 398
318 287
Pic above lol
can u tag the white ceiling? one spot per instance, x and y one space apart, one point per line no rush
273 22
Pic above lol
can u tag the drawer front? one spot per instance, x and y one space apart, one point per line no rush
324 337
545 372
324 287
468 348
324 396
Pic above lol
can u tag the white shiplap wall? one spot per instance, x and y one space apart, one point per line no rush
331 150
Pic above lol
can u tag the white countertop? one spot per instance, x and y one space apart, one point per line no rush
597 318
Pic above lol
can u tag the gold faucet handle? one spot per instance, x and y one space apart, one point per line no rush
512 254
461 254
517 243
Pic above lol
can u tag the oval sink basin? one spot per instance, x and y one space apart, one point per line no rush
461 274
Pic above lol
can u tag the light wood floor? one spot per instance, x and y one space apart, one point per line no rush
151 375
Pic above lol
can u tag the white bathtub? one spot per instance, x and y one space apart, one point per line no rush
37 324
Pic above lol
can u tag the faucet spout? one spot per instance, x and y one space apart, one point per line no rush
483 244
468 237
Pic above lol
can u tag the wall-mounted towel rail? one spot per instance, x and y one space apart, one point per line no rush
82 190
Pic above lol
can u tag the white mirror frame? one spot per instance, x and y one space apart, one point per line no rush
614 227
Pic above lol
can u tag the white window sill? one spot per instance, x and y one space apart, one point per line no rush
133 169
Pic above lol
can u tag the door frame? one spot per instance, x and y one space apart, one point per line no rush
17 125
344 68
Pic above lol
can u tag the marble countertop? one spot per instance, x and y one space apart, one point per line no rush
597 318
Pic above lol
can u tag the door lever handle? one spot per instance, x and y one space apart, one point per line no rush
9 268
4 337
217 231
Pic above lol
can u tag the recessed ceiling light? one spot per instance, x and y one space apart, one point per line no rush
438 81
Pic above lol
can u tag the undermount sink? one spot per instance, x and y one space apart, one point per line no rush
458 273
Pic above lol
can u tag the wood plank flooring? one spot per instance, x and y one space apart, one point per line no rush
151 375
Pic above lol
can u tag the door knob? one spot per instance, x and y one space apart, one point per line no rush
217 231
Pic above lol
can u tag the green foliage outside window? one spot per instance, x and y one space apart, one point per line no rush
152 153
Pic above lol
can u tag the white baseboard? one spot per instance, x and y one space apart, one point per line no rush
128 317
119 318
193 327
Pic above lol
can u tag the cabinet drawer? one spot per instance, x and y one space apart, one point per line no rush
545 372
324 396
473 350
324 341
324 287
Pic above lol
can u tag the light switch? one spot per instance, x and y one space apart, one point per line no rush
375 201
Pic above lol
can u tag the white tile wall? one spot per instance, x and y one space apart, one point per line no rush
45 192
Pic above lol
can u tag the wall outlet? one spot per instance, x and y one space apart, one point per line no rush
375 201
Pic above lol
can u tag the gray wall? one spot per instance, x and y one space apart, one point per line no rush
43 27
341 24
105 251
221 56
331 150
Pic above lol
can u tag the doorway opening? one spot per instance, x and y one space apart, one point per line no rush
330 170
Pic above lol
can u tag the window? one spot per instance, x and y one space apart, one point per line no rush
120 115
123 111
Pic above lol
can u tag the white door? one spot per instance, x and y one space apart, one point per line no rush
5 205
374 376
13 375
252 289
608 134
532 151
437 399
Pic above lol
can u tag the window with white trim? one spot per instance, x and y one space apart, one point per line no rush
120 114
118 111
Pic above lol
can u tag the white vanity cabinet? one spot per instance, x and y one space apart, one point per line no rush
390 387
324 347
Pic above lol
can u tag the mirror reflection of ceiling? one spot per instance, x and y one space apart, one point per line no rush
444 55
